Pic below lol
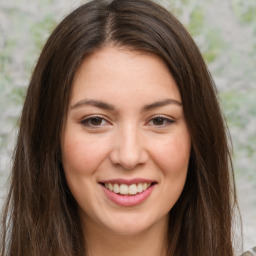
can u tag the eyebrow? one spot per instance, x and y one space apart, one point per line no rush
95 103
107 106
161 103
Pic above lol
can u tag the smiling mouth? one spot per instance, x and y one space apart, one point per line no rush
127 190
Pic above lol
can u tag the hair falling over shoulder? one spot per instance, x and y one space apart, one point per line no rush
40 216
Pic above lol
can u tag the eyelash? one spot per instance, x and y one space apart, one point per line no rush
87 122
167 121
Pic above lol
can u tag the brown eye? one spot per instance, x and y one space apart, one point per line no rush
96 121
158 121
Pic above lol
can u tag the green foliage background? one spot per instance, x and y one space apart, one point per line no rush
225 31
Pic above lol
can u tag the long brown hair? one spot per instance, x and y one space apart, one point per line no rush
40 217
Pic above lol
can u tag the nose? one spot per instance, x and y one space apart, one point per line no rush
128 150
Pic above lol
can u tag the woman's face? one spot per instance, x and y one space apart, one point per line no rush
125 144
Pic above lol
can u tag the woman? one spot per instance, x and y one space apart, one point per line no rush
122 148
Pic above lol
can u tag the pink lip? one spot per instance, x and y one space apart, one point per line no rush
127 182
128 200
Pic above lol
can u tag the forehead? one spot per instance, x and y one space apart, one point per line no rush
114 74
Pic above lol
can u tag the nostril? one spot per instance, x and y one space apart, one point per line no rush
128 154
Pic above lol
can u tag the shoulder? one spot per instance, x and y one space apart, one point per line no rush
251 252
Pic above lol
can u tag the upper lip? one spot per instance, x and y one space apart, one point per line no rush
128 182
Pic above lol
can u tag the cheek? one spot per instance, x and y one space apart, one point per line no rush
82 155
172 155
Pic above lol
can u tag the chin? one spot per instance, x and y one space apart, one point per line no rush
132 224
127 230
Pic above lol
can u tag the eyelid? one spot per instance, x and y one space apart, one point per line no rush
169 120
90 117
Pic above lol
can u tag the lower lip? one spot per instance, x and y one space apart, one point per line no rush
128 200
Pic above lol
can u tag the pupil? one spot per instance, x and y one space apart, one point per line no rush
96 121
158 121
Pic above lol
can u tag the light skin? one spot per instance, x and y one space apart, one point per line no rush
125 121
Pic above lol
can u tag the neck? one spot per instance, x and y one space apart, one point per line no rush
150 242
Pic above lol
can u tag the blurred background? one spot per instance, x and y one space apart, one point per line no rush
225 31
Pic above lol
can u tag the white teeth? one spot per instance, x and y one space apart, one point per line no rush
115 188
144 186
110 186
125 189
133 189
139 188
